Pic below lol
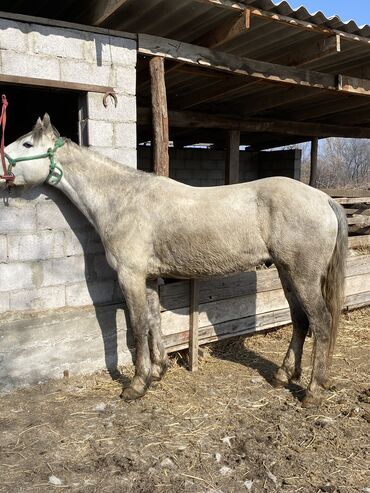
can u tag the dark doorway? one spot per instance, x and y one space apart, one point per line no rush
26 104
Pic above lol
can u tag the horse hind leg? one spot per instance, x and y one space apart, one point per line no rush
309 293
290 370
157 350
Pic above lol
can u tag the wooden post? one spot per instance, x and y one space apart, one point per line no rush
160 139
314 153
194 325
232 158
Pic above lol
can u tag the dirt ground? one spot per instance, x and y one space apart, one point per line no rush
224 429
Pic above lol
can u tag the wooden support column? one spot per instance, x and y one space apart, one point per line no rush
314 155
232 157
194 325
160 138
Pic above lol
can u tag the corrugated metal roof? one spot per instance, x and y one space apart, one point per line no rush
319 18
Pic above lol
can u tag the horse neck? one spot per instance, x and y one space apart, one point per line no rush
93 182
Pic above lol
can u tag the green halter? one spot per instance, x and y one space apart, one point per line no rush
50 153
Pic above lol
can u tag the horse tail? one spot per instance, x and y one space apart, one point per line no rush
333 283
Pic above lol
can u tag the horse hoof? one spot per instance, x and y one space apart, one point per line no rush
130 394
310 401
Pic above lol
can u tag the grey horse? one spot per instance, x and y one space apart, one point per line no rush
153 227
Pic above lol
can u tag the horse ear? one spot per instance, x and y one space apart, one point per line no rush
38 124
46 121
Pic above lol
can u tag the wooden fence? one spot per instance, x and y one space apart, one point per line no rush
357 206
243 304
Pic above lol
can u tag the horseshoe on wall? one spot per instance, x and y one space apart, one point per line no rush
113 95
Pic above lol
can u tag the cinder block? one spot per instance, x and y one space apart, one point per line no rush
100 133
3 248
62 43
124 156
40 246
113 50
124 112
75 242
17 219
65 217
81 294
86 73
17 276
4 302
13 36
24 64
38 299
126 79
63 271
125 135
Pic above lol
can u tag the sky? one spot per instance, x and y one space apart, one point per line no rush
358 10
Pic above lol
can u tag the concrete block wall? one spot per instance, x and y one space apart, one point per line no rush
206 167
69 55
50 257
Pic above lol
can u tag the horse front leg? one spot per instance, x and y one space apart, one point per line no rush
157 350
134 289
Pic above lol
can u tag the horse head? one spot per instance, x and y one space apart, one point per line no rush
31 157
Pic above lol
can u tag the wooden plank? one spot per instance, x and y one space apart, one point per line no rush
352 200
346 192
354 85
176 295
357 284
159 117
232 328
226 32
102 10
191 119
357 300
194 325
314 155
359 220
232 157
226 62
359 241
236 6
55 84
357 265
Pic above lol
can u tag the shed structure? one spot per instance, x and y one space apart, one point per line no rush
206 77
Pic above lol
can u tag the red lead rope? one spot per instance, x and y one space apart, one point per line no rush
6 176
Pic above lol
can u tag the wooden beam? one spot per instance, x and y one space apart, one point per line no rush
194 325
226 32
159 117
273 16
314 155
191 119
225 62
102 10
269 72
55 84
232 157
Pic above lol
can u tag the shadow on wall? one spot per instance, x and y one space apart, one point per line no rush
100 285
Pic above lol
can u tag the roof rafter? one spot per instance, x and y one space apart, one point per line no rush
236 6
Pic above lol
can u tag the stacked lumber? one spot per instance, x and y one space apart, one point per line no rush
356 203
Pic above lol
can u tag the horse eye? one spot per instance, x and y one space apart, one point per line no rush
27 144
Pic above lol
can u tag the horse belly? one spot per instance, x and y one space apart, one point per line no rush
208 254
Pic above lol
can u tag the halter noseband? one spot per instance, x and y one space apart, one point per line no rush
50 153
